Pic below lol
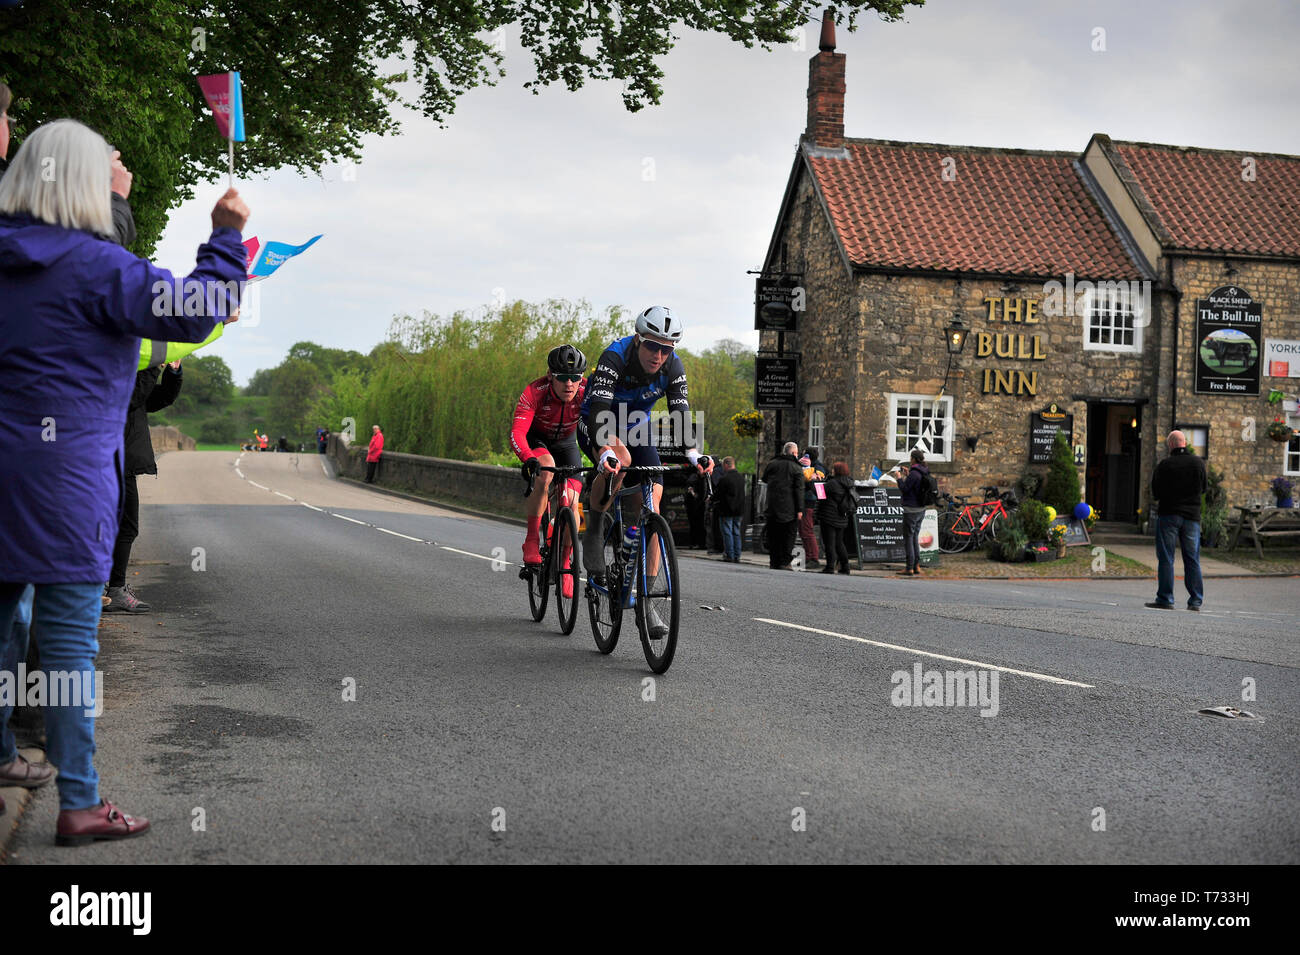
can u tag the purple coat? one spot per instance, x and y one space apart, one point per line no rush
73 309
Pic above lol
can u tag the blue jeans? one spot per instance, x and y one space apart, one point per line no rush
66 621
731 536
1178 532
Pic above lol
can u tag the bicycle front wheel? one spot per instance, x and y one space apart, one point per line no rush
564 559
658 597
950 541
605 603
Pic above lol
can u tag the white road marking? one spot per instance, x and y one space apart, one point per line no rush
262 486
468 554
312 506
285 496
323 468
418 540
926 653
239 472
344 517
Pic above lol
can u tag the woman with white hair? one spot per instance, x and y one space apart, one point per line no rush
73 308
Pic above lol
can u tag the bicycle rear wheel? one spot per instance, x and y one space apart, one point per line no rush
995 526
658 597
604 603
564 558
538 576
951 542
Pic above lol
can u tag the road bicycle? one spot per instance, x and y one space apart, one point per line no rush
963 525
640 574
557 540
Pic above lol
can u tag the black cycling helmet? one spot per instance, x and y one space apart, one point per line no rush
566 360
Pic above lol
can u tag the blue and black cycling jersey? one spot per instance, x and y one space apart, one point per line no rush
619 381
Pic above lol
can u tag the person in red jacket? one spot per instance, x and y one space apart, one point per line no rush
542 434
374 453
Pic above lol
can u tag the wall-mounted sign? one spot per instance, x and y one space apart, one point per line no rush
1043 426
775 383
1228 346
1281 358
777 304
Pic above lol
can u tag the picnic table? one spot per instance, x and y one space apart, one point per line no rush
1256 523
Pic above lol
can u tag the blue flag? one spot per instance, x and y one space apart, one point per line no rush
275 254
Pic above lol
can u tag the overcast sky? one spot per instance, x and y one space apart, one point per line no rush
567 195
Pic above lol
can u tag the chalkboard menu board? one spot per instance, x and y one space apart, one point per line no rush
1043 426
878 525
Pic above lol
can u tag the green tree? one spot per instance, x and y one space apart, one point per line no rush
208 382
721 383
1061 489
293 395
260 384
314 71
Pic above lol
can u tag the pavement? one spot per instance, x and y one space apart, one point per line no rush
334 675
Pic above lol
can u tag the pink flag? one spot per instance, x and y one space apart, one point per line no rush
226 100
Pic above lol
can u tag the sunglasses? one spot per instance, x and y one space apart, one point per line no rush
568 378
657 348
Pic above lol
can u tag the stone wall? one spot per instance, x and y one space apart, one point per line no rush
169 439
1248 464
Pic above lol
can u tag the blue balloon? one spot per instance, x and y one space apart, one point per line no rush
1082 510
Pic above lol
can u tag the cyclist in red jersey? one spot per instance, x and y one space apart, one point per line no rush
542 434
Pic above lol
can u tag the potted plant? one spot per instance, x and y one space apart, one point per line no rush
1033 519
1056 537
1279 430
1282 490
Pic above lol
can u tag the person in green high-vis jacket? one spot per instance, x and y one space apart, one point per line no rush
155 354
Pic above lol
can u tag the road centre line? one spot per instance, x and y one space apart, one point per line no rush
285 496
926 653
418 540
468 554
344 517
312 506
262 486
239 472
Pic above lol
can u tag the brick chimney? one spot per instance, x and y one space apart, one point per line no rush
826 91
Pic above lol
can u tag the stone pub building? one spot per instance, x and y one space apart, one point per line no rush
1122 292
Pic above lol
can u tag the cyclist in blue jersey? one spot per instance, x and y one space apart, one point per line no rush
632 375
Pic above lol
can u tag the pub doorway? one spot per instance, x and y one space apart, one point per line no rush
1114 460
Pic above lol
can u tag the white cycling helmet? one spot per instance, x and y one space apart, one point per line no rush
660 322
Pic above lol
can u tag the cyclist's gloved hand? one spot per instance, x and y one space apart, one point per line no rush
609 461
701 461
530 468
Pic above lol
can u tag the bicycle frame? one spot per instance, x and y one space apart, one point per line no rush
621 573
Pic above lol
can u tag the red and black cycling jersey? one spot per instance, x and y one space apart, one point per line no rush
545 415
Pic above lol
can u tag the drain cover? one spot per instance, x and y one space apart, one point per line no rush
1228 712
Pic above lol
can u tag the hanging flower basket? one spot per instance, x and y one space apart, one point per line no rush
1279 430
747 424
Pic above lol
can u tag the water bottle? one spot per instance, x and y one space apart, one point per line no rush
629 541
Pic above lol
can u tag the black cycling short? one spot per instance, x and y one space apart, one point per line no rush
563 450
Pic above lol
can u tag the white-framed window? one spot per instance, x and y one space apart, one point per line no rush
920 419
1291 454
1113 318
816 426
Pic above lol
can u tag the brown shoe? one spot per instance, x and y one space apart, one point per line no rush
79 827
29 775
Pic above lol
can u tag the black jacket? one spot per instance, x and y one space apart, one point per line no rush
911 486
1178 483
150 394
835 510
784 479
731 494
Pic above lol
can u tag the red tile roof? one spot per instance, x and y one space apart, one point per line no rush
1202 202
1008 211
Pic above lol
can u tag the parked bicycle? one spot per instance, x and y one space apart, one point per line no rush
558 544
640 575
963 525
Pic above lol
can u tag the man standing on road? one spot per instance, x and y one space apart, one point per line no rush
374 453
1177 486
784 479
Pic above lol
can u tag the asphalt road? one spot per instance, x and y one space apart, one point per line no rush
765 742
